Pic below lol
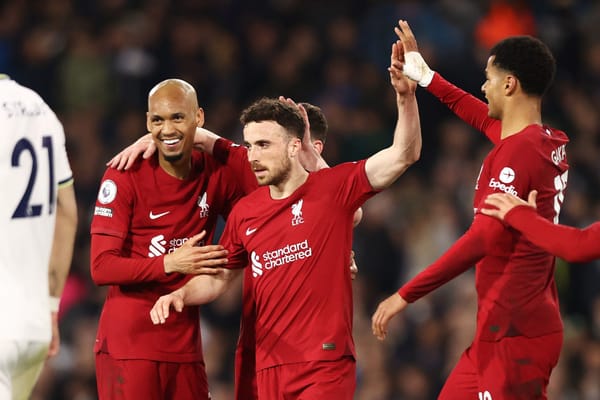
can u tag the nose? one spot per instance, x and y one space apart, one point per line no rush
483 87
167 126
251 153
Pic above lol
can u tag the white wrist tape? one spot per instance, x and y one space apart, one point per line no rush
54 303
417 69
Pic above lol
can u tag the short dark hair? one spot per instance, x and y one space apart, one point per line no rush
267 109
317 121
529 59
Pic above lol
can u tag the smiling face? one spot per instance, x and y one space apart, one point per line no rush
270 151
172 118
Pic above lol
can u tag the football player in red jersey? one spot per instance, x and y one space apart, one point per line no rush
519 329
245 365
245 362
149 233
296 233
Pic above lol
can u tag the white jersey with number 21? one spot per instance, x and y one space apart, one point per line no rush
33 163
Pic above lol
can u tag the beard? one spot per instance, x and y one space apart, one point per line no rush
173 157
279 174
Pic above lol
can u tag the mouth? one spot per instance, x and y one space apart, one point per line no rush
259 171
170 143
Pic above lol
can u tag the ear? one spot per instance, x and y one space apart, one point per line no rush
294 147
318 145
510 84
148 122
200 117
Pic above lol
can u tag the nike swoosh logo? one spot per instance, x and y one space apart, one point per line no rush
155 216
250 231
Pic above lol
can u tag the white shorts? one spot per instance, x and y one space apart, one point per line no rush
20 367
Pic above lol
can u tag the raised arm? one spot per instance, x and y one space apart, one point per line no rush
386 166
61 254
466 106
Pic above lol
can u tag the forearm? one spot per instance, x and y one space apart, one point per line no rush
203 289
387 165
569 243
466 106
407 134
109 267
471 247
64 240
459 258
204 140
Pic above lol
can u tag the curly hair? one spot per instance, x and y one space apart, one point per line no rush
529 59
267 109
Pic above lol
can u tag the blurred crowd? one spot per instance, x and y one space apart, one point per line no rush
95 61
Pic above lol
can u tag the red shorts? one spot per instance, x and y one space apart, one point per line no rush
514 368
149 380
308 380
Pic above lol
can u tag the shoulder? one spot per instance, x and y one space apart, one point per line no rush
556 134
200 159
341 170
542 133
19 101
224 150
15 91
124 182
254 203
533 138
256 199
138 171
206 166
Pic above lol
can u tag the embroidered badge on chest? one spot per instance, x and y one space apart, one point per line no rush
297 213
204 206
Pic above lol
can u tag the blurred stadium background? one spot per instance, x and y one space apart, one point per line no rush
94 62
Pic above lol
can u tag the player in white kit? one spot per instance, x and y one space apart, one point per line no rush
39 219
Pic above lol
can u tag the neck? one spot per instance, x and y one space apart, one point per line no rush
179 169
297 177
520 114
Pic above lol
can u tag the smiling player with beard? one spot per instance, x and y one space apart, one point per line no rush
149 231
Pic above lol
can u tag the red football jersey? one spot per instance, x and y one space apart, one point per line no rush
514 278
299 249
569 243
140 215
